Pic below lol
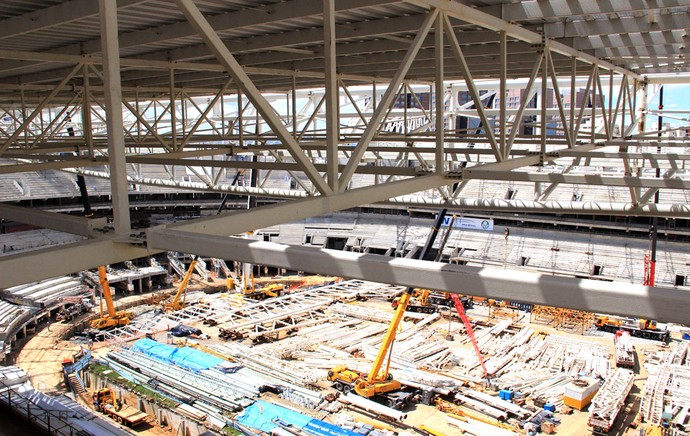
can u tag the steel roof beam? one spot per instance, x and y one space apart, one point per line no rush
665 304
612 26
548 9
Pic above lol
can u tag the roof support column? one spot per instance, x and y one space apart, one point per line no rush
503 61
332 94
113 108
86 111
440 95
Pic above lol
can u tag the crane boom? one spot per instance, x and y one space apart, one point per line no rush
113 319
107 294
378 382
175 304
469 330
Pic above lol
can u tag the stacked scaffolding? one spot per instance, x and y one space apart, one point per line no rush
575 321
666 395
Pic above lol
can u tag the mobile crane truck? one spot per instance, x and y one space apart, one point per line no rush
113 318
379 385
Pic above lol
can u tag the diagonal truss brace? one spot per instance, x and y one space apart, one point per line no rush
215 44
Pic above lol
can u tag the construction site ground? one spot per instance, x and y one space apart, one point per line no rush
41 356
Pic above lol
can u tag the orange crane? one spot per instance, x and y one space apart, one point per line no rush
113 318
176 304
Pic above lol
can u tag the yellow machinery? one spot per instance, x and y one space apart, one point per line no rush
176 304
268 291
641 328
379 384
105 401
113 318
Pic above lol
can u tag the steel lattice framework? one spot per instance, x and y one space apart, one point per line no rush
359 102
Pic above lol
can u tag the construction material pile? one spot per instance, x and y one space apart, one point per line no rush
610 399
666 394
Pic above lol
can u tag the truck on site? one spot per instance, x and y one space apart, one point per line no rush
379 385
428 301
625 350
105 401
639 328
263 292
179 300
113 318
73 307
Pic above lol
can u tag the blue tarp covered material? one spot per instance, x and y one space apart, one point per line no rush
185 357
261 414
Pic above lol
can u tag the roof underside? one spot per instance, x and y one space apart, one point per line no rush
372 36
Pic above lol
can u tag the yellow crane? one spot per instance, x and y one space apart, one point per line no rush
175 303
379 384
112 318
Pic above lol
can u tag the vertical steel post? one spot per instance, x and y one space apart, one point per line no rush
440 95
173 115
86 111
502 93
332 94
114 123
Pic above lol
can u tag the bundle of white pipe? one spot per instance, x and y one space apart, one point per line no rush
373 407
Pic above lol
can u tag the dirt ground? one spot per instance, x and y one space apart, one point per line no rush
41 356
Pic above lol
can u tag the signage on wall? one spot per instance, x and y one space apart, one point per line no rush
470 223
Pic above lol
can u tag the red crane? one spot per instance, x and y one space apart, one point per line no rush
470 331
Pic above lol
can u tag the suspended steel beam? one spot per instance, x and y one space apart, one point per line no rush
244 82
664 304
475 16
544 9
50 220
267 216
72 259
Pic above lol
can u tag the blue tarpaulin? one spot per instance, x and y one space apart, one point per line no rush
261 414
185 357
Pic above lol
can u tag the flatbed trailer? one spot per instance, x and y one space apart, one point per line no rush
625 351
125 415
653 334
105 402
609 401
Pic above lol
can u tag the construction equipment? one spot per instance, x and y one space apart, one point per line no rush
427 301
462 412
625 350
113 318
175 303
640 328
105 401
379 385
261 293
609 401
460 308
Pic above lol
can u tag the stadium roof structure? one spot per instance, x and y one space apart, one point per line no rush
329 90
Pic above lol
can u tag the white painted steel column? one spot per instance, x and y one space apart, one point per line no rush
502 93
114 123
440 95
332 94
